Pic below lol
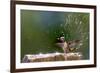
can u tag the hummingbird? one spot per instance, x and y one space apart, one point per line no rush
68 46
63 44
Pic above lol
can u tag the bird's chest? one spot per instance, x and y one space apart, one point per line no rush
65 45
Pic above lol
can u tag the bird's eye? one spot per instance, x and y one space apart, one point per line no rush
69 43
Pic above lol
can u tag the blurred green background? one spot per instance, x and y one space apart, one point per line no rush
40 29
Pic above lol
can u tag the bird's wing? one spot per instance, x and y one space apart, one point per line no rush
60 45
75 44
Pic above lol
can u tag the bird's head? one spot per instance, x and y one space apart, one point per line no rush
61 39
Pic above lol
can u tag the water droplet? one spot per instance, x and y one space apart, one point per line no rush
40 54
57 53
80 22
